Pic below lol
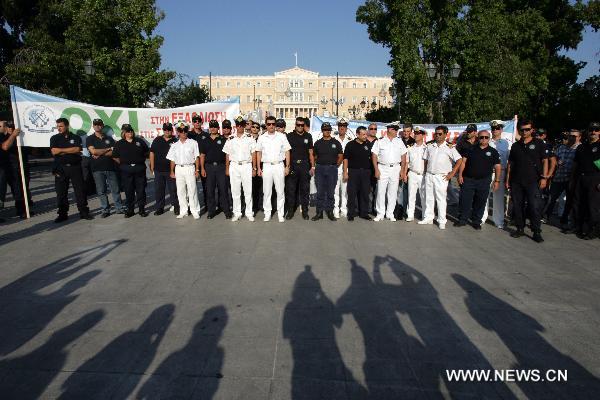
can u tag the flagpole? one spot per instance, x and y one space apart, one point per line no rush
19 144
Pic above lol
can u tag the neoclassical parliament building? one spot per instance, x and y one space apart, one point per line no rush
297 92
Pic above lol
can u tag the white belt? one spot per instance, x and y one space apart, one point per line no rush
438 173
273 162
185 165
415 172
391 165
239 162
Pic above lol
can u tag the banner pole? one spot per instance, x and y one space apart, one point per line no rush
19 144
515 128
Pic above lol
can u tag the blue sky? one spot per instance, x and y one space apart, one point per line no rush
260 37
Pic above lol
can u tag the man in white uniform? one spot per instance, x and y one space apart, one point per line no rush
185 168
340 195
389 163
240 166
416 169
502 146
439 157
272 148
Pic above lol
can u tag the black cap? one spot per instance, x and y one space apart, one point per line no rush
213 123
226 124
280 123
594 126
471 128
167 126
197 118
326 126
127 128
98 121
540 132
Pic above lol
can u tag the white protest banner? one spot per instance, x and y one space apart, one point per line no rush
36 115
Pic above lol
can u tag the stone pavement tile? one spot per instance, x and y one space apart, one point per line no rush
157 387
84 385
308 389
318 359
28 384
385 391
242 358
253 321
232 389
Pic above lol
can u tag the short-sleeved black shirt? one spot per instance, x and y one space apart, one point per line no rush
585 155
480 162
300 145
3 154
526 161
102 163
463 146
327 151
408 141
213 149
131 153
198 137
59 141
160 147
358 154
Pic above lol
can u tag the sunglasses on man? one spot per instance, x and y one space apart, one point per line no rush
526 129
270 123
300 125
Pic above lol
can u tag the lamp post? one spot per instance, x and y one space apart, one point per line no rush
88 69
438 72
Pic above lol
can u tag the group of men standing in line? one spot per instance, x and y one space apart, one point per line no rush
353 176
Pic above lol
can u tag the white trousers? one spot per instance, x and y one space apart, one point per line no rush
240 176
436 188
185 180
498 199
340 196
387 186
273 174
416 183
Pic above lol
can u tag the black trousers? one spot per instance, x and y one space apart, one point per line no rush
162 180
326 180
257 190
373 195
74 175
12 177
216 178
297 183
359 185
526 195
587 202
473 197
134 185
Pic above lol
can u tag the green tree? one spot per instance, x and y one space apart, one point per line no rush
179 92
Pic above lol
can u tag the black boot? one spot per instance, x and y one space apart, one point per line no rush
537 237
290 214
143 212
129 213
318 216
331 216
61 218
305 214
159 211
518 233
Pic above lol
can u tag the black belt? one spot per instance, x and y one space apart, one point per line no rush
299 161
217 163
328 164
360 168
70 164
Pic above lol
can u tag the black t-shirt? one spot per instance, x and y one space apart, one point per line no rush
585 155
408 141
463 146
102 163
3 154
160 147
358 155
300 145
327 151
480 162
59 141
131 153
213 149
526 161
198 137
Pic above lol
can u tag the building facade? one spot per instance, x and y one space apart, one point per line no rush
297 92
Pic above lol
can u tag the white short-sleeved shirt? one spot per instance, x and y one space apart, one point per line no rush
389 151
184 153
240 148
344 142
415 158
502 146
272 146
440 158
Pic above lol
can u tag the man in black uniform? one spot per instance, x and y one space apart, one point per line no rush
303 166
526 176
475 176
212 167
256 180
66 149
371 139
161 168
357 172
131 153
328 156
12 169
586 169
103 168
199 136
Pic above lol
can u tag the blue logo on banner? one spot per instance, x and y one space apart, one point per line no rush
39 119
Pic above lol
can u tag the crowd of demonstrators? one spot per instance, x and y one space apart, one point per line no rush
358 174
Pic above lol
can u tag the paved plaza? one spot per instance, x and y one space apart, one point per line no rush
157 308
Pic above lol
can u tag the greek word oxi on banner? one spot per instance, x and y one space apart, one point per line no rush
36 115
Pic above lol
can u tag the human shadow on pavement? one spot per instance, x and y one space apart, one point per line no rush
31 308
194 369
116 370
309 322
28 376
522 335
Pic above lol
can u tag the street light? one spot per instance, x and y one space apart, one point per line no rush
89 68
435 71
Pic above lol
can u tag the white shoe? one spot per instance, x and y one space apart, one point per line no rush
196 216
499 226
442 226
250 218
182 215
343 214
172 208
392 219
267 218
235 218
425 222
377 218
281 219
336 214
410 219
